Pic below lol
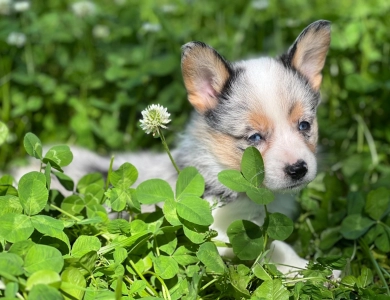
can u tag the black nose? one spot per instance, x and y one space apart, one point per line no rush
297 170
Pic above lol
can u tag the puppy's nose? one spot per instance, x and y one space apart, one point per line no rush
296 171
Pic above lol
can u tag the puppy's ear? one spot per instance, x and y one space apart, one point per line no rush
308 53
205 73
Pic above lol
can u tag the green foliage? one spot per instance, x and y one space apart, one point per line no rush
76 251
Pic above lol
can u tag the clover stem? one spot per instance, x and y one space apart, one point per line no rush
143 278
266 224
160 133
65 213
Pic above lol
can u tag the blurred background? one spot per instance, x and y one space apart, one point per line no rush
80 72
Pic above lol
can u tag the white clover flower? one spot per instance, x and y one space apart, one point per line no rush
21 6
84 8
150 27
17 39
101 31
5 7
260 4
154 116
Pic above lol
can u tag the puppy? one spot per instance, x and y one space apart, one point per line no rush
268 103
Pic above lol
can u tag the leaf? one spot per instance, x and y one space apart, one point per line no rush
349 280
118 198
260 195
48 175
239 280
44 292
279 226
184 256
165 267
197 234
84 244
125 243
10 204
65 180
170 212
120 226
234 180
354 226
333 261
272 290
252 166
60 235
382 242
73 204
42 257
33 145
209 256
6 180
137 287
167 242
365 279
88 261
33 194
355 202
60 155
195 210
189 182
153 191
261 273
15 227
329 237
11 263
377 203
120 254
47 225
3 133
47 277
87 180
74 283
93 194
21 248
124 177
246 238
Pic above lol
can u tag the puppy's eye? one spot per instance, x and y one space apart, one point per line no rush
304 126
255 138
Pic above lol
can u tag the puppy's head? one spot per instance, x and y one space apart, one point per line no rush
267 103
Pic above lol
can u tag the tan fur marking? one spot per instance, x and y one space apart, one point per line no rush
224 149
312 147
296 113
199 65
260 122
312 142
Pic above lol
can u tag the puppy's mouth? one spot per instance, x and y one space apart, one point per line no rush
296 187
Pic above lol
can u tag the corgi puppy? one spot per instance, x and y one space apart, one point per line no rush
268 103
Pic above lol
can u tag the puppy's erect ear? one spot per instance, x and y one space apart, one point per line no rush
308 53
205 73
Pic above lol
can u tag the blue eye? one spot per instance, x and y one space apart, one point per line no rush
304 126
255 138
